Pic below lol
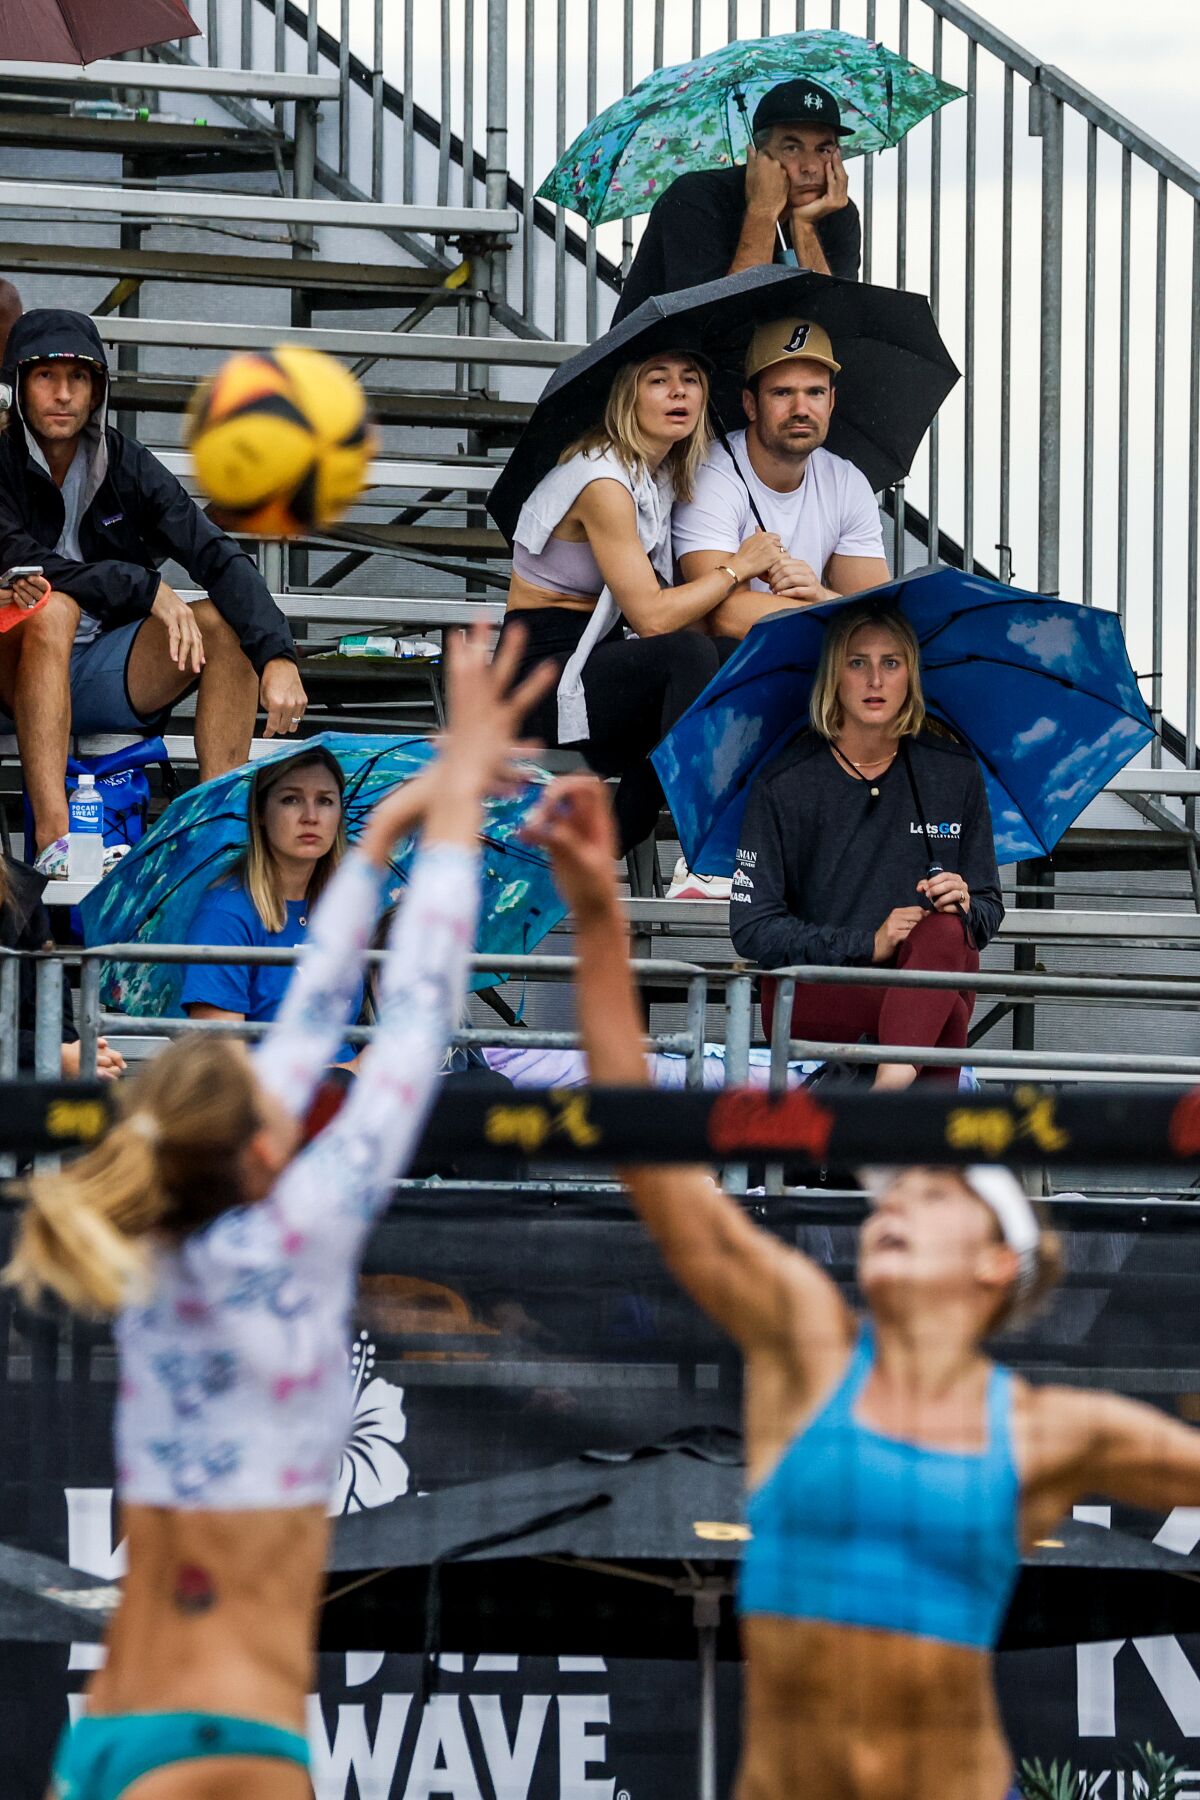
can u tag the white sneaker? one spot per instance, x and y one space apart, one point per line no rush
687 886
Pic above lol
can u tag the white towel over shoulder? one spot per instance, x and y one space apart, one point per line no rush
554 496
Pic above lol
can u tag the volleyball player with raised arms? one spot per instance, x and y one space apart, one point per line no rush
895 1472
229 1256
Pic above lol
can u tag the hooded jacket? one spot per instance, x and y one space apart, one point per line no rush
136 515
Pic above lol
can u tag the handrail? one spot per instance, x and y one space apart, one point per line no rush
1096 112
701 985
987 36
665 971
1063 87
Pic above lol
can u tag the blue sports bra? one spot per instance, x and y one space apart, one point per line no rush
857 1528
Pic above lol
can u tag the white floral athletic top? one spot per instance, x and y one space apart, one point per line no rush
234 1390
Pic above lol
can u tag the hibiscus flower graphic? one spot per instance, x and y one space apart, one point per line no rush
372 1470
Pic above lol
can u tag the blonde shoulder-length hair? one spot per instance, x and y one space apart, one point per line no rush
620 432
824 707
258 871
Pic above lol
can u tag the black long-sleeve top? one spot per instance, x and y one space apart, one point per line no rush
821 863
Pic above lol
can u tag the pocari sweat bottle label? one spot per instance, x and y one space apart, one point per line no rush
85 814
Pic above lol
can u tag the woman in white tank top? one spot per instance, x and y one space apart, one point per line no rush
592 581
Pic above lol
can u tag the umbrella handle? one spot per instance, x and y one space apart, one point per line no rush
739 100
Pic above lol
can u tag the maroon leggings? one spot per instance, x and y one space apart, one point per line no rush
934 1016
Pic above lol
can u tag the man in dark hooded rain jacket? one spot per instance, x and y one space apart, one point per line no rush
115 646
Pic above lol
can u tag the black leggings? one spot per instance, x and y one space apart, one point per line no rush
635 690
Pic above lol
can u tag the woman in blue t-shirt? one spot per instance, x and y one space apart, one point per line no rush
297 838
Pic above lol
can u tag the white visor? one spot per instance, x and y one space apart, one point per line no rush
1000 1190
1005 1198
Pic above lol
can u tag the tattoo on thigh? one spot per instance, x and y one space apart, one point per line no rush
194 1590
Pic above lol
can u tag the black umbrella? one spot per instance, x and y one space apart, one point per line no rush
1085 1584
636 1553
45 1602
594 1555
608 1554
896 371
568 1556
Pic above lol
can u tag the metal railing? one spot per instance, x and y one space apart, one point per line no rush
732 988
1040 222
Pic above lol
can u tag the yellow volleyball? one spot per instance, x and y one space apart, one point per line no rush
280 441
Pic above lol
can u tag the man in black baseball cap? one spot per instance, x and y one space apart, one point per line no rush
789 203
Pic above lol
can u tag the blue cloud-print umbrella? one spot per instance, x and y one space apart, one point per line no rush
152 895
1041 689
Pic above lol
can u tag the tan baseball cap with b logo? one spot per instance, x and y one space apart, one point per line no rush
784 339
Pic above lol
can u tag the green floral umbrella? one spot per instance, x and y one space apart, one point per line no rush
696 115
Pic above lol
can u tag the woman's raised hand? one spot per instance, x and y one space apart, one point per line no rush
479 750
756 554
486 709
573 821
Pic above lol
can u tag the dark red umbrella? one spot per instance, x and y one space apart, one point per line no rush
79 31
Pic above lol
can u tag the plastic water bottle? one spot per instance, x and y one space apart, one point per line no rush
107 109
85 842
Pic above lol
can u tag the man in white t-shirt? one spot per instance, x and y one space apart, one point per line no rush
820 505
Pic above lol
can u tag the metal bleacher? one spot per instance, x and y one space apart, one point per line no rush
382 182
190 240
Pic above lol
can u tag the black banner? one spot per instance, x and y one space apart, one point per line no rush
499 1333
1022 1125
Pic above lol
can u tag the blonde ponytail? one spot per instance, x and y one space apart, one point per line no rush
82 1234
169 1165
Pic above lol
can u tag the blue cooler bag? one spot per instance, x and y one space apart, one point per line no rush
123 787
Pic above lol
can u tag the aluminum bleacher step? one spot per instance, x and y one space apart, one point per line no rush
1021 924
212 208
392 346
171 78
501 420
456 475
335 286
355 612
160 147
469 541
710 918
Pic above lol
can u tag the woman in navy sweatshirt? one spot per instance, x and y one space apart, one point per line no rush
869 841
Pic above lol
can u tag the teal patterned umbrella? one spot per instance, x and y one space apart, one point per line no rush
696 115
152 895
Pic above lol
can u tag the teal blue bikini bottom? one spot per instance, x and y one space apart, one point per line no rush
100 1757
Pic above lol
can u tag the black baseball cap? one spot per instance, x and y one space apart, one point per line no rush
799 103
